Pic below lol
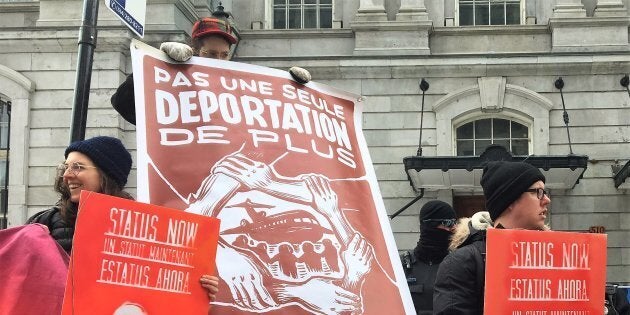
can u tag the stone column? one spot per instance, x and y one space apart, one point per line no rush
449 13
202 7
572 31
530 12
569 8
412 10
62 12
610 8
407 35
371 10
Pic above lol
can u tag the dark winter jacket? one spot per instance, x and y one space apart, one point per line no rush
60 230
124 101
617 300
420 278
460 282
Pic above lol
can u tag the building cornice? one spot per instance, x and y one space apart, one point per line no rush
491 30
19 7
297 33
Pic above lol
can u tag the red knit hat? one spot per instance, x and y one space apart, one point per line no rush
209 26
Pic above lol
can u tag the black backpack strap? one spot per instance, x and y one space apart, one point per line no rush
480 258
479 252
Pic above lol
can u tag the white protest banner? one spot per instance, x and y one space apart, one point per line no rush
285 168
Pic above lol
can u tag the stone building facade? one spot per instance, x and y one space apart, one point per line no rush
488 67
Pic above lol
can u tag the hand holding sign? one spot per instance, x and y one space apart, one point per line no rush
211 284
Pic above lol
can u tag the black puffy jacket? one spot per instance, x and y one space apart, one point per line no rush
60 230
460 281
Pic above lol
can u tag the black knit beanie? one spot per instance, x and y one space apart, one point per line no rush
109 155
436 209
504 182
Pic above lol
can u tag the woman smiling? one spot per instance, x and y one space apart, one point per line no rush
100 164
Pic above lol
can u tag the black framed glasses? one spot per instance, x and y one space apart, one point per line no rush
446 222
540 192
75 168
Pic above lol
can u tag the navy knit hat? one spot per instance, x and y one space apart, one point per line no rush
109 155
504 182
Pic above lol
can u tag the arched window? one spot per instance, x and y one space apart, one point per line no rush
473 137
5 119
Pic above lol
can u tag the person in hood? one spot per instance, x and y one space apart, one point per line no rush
515 199
437 220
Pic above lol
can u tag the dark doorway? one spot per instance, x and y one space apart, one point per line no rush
466 206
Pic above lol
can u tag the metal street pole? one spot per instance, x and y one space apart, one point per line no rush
87 43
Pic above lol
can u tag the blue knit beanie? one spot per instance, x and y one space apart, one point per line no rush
109 155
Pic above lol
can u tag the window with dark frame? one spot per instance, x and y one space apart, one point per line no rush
489 12
302 14
474 137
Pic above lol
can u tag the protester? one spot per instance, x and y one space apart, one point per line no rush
437 221
211 38
100 164
515 199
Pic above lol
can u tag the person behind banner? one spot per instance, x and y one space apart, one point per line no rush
211 38
437 221
516 199
100 164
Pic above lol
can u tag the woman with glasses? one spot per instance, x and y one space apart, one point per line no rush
100 164
437 221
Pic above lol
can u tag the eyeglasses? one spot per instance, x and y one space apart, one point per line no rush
446 222
75 168
540 192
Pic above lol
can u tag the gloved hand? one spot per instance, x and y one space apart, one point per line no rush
177 51
301 75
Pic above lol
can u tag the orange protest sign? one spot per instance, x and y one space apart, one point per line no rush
544 272
135 258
